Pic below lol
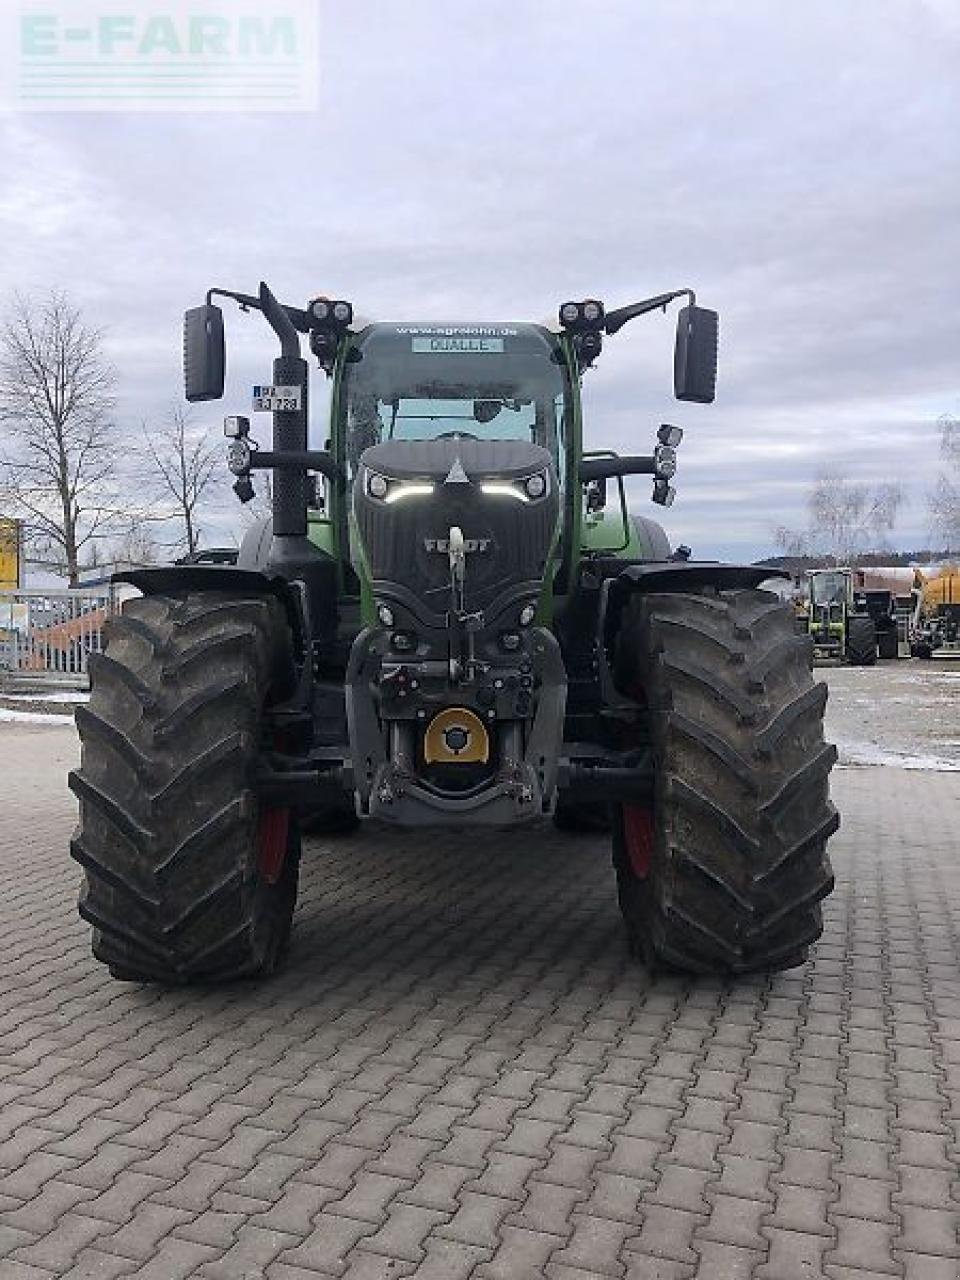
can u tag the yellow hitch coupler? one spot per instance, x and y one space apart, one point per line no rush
456 736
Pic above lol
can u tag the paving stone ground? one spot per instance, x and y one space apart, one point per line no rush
462 1073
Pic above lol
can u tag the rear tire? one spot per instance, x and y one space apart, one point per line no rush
187 877
861 641
726 870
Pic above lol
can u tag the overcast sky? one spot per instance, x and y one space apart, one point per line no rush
797 164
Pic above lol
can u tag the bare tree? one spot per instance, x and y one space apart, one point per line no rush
945 499
182 462
56 405
137 546
846 519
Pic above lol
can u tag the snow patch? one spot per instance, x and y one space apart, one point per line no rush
76 695
869 753
60 721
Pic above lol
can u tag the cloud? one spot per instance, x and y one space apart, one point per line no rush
797 165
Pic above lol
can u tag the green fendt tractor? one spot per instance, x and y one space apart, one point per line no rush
446 623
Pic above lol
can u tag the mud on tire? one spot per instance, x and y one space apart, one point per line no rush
727 870
171 837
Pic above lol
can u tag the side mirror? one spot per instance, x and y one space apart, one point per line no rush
695 355
204 353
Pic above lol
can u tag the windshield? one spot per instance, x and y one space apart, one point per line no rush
829 588
424 382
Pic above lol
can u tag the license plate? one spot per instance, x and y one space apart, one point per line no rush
275 399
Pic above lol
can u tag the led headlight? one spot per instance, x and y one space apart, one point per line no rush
530 487
569 313
385 614
320 309
399 489
503 489
527 615
235 427
342 312
377 485
592 311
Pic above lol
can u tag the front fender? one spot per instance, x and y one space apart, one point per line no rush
676 576
176 579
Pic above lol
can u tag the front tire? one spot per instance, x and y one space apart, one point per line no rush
725 871
187 877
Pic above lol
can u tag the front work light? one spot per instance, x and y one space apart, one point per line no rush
669 435
244 489
582 315
665 460
234 428
588 346
331 311
238 457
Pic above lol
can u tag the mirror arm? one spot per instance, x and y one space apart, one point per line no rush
247 302
281 324
615 320
606 468
295 460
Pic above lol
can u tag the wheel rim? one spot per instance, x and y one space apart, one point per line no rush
638 838
272 845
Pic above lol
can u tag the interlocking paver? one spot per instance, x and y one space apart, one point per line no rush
57 1248
402 1234
494 1094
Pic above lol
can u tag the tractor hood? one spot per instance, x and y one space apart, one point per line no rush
479 459
501 494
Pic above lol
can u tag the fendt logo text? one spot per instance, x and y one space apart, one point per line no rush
469 544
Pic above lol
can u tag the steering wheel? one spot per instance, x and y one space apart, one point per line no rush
456 435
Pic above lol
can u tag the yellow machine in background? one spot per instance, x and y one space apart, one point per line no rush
11 538
936 625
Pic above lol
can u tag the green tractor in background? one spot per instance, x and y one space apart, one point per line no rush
845 621
451 618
